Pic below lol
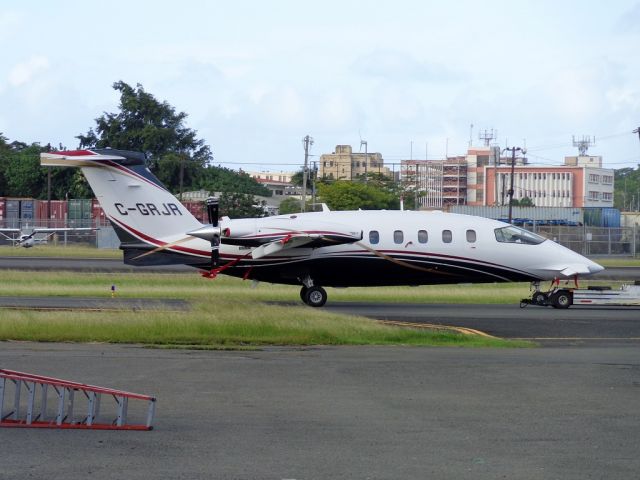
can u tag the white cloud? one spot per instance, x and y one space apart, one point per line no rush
23 73
574 94
287 107
623 99
630 21
399 66
336 110
9 23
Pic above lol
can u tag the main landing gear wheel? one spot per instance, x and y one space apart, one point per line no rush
561 299
314 296
303 294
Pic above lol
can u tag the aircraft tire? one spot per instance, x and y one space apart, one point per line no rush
303 294
561 299
315 296
539 298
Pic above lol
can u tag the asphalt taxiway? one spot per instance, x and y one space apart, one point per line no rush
568 410
344 412
543 324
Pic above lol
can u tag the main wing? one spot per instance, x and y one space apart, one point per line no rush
297 240
275 235
4 231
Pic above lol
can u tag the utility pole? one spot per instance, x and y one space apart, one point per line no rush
181 173
314 174
307 141
513 168
366 159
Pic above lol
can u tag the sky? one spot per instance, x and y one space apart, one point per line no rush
407 77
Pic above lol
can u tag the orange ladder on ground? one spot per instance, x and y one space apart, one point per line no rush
37 414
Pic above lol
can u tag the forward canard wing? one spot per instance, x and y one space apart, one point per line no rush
570 270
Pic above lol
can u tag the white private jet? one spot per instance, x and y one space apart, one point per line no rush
29 237
315 249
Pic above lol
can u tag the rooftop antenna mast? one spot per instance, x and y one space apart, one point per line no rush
487 136
583 144
366 159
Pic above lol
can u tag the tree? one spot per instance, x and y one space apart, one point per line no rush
145 124
22 175
290 205
5 152
523 202
298 177
346 195
219 179
627 189
240 205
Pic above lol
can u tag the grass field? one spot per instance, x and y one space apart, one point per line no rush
226 312
60 251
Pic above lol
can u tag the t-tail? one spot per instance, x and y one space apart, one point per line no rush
145 215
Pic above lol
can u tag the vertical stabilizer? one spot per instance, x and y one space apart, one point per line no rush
144 214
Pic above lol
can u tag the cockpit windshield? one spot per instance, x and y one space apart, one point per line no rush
511 234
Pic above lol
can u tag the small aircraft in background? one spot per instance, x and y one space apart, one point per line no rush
29 237
314 249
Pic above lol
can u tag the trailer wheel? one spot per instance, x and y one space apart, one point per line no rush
539 298
562 299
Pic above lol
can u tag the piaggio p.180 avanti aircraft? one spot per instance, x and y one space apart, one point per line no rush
315 249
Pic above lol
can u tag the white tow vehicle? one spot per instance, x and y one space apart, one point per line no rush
563 297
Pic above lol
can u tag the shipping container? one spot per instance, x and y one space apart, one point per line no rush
13 209
197 209
51 214
97 214
525 215
26 211
79 212
602 217
12 214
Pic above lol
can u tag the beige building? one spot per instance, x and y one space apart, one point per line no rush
283 177
343 164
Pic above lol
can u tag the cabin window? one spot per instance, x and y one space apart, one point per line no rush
471 236
511 234
398 236
374 237
447 236
423 236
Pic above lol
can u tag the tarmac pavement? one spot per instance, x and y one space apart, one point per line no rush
344 412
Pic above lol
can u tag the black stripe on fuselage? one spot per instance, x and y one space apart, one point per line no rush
371 270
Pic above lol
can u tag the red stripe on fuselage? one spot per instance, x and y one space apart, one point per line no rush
160 243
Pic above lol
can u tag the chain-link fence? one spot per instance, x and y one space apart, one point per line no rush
595 240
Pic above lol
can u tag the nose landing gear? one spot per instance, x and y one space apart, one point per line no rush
557 297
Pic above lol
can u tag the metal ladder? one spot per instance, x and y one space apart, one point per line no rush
36 413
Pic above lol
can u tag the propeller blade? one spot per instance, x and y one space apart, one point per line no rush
213 211
215 257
